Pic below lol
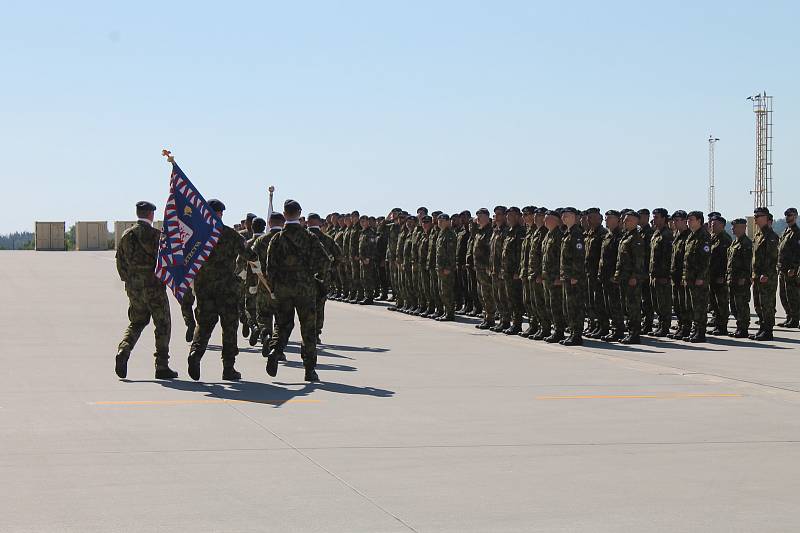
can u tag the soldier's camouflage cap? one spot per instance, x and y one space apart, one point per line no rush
569 210
145 206
427 219
738 221
443 216
313 216
680 213
695 214
613 213
216 205
528 210
761 211
482 211
513 209
500 208
553 213
661 211
790 211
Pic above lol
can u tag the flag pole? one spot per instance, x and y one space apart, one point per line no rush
166 153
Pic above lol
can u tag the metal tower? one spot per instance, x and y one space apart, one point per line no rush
711 188
762 191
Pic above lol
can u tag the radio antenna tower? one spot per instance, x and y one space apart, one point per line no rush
711 188
762 191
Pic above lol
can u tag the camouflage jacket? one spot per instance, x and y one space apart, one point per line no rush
719 256
510 255
593 243
573 255
765 253
368 245
609 251
462 242
697 256
355 241
423 247
333 250
647 233
446 249
136 256
434 237
218 274
247 265
498 237
260 247
630 257
399 253
740 261
482 249
393 234
535 254
789 249
660 254
473 230
551 254
678 252
525 251
296 260
409 253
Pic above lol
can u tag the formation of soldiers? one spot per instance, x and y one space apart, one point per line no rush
572 274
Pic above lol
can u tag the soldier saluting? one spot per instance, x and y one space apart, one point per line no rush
147 297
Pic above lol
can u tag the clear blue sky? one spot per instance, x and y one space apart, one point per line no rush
369 105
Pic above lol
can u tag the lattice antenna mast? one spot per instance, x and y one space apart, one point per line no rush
762 190
712 193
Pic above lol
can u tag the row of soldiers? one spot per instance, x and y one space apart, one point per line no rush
570 273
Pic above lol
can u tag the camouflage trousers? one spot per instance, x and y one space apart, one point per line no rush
356 286
486 294
647 305
540 302
394 279
612 300
369 278
319 303
594 301
300 300
514 297
465 299
218 301
680 305
632 300
384 282
187 309
423 285
697 305
500 302
764 301
344 278
436 294
242 287
529 302
554 300
474 289
661 295
251 306
265 313
143 304
739 297
574 306
409 288
789 289
447 293
718 300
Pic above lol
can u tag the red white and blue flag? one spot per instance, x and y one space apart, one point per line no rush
191 231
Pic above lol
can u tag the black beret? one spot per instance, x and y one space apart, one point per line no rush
291 205
559 210
661 211
738 221
569 210
145 206
356 213
552 213
718 218
695 214
216 205
644 211
790 211
760 211
465 213
612 213
455 216
403 214
500 208
482 211
423 209
630 213
250 216
528 210
625 211
444 216
411 219
313 216
541 210
427 219
259 224
276 217
513 209
593 211
435 214
680 213
363 217
396 210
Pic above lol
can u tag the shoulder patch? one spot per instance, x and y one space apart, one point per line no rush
706 248
579 246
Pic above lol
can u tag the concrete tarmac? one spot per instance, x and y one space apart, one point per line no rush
417 426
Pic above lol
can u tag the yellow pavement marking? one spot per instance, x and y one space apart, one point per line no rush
191 402
676 395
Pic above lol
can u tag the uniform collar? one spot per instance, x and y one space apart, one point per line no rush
145 221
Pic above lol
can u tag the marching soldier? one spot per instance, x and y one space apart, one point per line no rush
659 270
247 233
737 276
572 275
696 262
765 274
265 302
249 274
788 264
136 258
718 289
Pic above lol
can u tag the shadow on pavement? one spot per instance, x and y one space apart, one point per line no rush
723 341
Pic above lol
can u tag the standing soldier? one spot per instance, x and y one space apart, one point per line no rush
472 276
409 261
383 271
676 271
368 254
551 272
765 274
647 299
593 243
446 268
422 275
510 264
535 275
788 264
630 274
524 263
612 297
696 262
462 243
265 303
218 294
498 285
346 270
432 271
572 274
333 251
248 268
296 260
718 288
482 259
399 287
458 290
659 270
739 270
355 261
136 258
247 233
393 233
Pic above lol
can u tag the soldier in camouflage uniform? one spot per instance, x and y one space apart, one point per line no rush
420 268
218 294
322 285
383 272
788 264
543 315
296 262
247 233
472 276
630 275
147 297
765 274
368 253
528 215
499 232
572 263
737 276
647 299
462 243
718 288
659 270
399 283
482 259
393 229
187 311
433 275
249 277
446 268
612 295
593 243
265 303
551 275
676 272
357 290
510 263
696 263
409 261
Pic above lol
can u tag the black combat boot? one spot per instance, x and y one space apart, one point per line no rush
190 327
616 335
486 324
740 333
764 335
311 375
794 323
662 330
688 333
541 335
718 330
699 336
647 327
633 337
527 332
272 362
255 334
447 317
558 335
194 363
785 323
229 373
163 371
245 330
573 340
366 301
515 329
121 366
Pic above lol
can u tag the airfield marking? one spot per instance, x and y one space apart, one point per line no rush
673 396
192 402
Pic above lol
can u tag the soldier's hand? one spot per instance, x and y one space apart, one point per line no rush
632 282
366 260
573 281
790 273
446 271
763 279
557 282
698 282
